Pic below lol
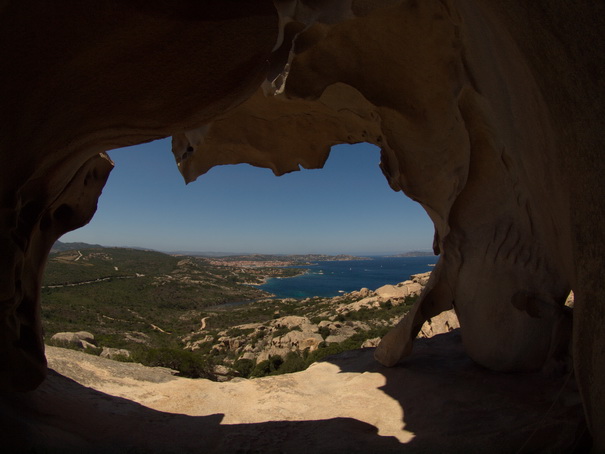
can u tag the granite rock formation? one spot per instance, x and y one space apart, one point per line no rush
80 339
315 320
488 113
347 404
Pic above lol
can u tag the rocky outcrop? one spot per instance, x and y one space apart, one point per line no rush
439 402
488 113
337 331
440 324
326 321
115 353
81 339
294 341
400 291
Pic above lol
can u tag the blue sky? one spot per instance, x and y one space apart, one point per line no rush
346 207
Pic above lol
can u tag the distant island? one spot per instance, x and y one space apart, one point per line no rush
285 259
414 254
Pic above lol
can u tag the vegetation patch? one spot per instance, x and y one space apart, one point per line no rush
170 312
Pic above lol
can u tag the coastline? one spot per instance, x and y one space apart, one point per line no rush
332 278
266 278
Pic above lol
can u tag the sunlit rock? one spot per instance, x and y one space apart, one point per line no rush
440 324
81 339
115 353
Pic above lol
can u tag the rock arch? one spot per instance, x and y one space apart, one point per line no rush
487 113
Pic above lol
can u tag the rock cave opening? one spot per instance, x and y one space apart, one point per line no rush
339 213
488 113
344 207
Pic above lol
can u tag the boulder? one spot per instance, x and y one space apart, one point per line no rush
222 373
291 321
297 341
113 353
391 291
370 343
443 323
80 339
413 288
272 351
362 293
401 290
339 332
421 278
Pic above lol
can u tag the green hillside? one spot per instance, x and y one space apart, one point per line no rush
166 311
114 292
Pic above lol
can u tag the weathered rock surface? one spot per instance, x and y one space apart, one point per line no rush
259 341
371 343
58 114
294 341
440 324
484 144
113 353
81 339
489 113
399 291
438 400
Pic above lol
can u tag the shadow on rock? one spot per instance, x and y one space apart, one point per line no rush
451 404
63 416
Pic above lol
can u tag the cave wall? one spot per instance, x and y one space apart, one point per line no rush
463 129
474 106
488 113
80 78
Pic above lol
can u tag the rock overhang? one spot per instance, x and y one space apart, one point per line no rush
487 113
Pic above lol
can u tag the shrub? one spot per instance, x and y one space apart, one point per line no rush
188 364
276 361
281 331
259 335
387 305
331 349
244 367
292 363
236 332
268 366
324 332
261 369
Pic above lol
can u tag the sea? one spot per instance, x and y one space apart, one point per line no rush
332 278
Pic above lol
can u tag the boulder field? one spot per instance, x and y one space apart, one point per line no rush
488 113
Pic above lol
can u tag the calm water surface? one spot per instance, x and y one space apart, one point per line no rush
333 278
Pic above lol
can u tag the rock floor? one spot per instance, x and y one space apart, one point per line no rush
437 400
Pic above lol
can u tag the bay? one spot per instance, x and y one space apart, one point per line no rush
332 278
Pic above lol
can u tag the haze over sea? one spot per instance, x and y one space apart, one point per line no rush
334 278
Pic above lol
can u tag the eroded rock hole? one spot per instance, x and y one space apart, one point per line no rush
183 309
